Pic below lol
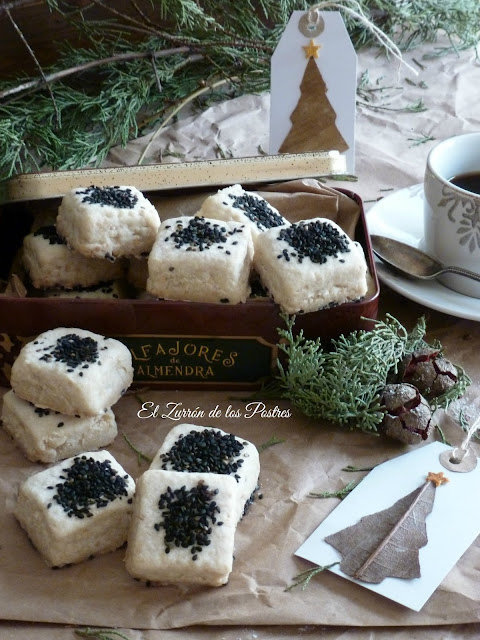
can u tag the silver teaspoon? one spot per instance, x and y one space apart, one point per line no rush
413 262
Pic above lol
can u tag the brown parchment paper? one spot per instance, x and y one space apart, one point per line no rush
311 458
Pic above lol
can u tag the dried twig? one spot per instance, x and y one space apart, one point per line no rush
15 4
64 73
42 80
174 112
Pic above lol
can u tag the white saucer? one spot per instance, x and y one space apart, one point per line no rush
400 216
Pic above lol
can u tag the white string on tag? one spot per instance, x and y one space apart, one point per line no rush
358 14
462 459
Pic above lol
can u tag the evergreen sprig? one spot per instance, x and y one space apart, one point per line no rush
343 384
141 66
131 76
413 22
305 577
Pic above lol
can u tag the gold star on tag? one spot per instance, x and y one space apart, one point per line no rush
437 478
311 49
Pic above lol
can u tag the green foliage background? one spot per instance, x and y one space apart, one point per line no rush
178 50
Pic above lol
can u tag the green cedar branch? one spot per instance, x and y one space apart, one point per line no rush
305 577
87 66
141 457
343 385
270 443
341 493
92 99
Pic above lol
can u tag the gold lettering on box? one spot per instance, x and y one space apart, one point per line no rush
177 359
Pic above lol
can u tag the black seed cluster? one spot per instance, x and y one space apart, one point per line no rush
200 234
316 240
72 350
257 210
207 451
86 483
188 516
106 287
258 289
109 196
251 500
41 411
50 233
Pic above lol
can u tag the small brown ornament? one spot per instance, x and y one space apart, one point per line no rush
408 416
429 371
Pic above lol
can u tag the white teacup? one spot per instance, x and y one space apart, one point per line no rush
452 213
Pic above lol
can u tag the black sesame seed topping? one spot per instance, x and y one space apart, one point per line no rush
207 451
50 233
109 196
257 210
316 240
40 412
104 287
187 516
198 235
88 482
72 350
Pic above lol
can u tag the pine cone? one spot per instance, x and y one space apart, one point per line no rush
427 370
407 413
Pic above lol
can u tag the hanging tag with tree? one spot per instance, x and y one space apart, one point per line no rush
313 87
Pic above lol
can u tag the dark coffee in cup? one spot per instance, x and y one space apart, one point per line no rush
452 208
467 181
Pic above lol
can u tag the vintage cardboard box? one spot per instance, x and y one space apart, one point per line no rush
178 344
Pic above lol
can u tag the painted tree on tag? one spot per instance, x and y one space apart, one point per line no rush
313 119
386 543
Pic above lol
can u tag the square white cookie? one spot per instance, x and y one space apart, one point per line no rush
182 528
79 508
108 222
310 265
192 448
72 371
44 435
51 263
201 260
234 203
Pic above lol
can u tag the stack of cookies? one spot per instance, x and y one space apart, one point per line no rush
64 384
83 253
187 507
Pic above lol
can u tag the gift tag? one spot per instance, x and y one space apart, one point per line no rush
313 87
433 494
